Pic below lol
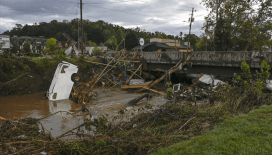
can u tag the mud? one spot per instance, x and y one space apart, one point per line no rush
109 102
20 76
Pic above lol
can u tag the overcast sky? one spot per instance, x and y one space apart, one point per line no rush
152 15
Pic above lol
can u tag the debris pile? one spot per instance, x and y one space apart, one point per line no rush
177 120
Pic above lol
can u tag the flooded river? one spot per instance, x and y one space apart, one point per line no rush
107 102
35 106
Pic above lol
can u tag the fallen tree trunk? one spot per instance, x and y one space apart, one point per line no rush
137 99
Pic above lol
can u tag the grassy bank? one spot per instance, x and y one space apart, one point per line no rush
243 134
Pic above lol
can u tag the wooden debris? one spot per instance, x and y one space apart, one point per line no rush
196 80
146 84
154 91
171 70
133 73
97 63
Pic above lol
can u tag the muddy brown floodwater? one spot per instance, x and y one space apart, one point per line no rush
107 102
34 105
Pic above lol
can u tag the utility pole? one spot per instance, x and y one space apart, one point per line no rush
215 29
175 44
191 19
206 33
81 28
206 41
78 34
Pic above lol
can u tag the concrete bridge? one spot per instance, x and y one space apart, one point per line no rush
221 63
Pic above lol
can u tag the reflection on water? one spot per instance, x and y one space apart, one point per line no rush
31 105
34 105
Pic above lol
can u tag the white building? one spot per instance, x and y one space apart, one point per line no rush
4 43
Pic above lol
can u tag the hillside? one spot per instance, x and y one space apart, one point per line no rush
99 32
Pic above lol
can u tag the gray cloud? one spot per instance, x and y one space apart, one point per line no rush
152 15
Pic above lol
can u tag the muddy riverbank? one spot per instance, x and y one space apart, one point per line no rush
25 75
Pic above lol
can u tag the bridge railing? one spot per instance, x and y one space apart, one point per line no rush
209 58
205 55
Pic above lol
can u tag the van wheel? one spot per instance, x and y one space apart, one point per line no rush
75 77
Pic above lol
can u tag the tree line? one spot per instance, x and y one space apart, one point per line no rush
99 33
237 25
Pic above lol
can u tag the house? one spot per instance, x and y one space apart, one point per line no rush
37 44
267 48
4 43
64 45
159 45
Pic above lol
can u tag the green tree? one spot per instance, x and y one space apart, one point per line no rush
106 34
201 44
26 48
193 40
147 40
120 36
15 48
131 41
112 41
51 44
239 24
92 43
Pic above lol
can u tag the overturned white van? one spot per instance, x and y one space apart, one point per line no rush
63 81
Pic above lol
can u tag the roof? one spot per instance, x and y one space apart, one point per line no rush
63 43
183 46
162 45
156 43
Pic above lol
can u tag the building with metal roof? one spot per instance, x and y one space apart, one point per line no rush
160 47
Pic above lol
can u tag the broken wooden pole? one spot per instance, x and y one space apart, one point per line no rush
97 63
154 91
133 73
102 73
172 70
